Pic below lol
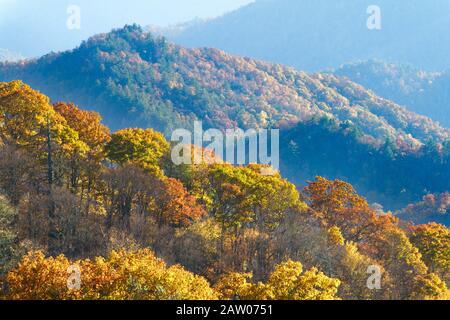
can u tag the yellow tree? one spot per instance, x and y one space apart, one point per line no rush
143 147
28 120
243 198
287 282
84 169
404 263
122 276
243 195
88 124
433 242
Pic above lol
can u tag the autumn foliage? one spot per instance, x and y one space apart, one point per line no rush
139 227
121 276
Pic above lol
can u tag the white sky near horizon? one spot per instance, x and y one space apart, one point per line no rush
33 27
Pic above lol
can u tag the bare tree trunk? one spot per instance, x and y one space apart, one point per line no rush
52 233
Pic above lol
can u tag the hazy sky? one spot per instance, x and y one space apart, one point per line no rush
35 27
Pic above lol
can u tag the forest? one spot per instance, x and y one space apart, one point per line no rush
113 206
330 126
421 91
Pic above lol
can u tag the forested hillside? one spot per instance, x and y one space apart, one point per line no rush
427 93
384 174
433 207
137 80
114 207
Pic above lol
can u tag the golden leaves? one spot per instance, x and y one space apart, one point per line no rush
123 275
287 282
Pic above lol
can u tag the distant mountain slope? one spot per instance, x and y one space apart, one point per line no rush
433 207
136 80
435 100
383 174
314 35
423 92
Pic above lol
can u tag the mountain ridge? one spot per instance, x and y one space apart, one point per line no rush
191 84
317 35
136 80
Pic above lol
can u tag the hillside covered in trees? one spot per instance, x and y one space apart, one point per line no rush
426 93
385 174
135 226
433 207
137 80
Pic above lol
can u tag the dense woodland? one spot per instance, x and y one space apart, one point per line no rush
136 79
423 92
139 227
385 175
331 126
433 207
